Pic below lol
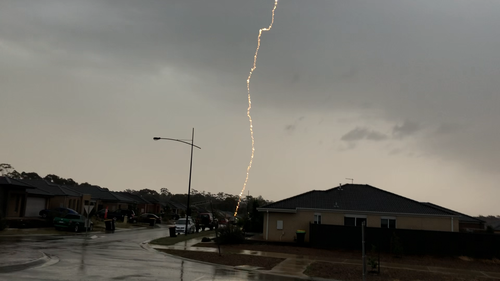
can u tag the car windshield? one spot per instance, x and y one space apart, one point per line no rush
72 216
181 221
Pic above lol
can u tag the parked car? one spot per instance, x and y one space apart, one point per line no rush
207 220
56 212
146 218
180 225
117 214
73 222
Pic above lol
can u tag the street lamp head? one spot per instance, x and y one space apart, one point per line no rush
156 138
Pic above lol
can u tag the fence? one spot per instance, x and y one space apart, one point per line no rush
405 241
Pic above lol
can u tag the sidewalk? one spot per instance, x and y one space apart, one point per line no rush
14 260
294 265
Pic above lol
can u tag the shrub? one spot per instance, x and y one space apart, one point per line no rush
372 259
230 235
396 245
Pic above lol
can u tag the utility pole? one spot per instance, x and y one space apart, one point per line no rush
363 248
188 209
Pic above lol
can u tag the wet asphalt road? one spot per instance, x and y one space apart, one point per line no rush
115 256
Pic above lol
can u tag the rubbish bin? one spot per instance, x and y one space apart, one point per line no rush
110 225
172 231
301 234
152 222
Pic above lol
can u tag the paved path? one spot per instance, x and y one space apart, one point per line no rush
294 265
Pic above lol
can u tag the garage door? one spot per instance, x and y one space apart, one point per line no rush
33 206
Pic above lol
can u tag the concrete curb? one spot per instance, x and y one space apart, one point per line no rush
25 233
11 267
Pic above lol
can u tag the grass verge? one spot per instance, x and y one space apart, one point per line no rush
166 241
354 273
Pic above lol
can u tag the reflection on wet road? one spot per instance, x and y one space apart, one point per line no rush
115 256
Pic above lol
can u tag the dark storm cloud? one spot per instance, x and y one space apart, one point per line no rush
406 129
291 127
426 61
358 134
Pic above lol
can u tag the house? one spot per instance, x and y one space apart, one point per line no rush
124 201
156 205
12 197
46 195
351 205
496 229
175 207
141 205
465 223
101 197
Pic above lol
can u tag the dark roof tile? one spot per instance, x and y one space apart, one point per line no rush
463 217
53 189
355 197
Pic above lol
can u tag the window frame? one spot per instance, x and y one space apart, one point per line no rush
356 217
317 218
388 219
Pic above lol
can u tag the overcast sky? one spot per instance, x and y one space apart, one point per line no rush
401 95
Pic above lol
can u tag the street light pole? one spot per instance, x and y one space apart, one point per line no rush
188 210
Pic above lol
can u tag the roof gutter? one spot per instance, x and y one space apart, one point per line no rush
372 212
277 210
350 211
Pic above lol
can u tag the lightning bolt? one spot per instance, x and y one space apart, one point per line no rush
250 103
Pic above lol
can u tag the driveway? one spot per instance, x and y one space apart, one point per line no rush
114 256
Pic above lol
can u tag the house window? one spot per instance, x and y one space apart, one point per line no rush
388 222
317 218
349 221
354 220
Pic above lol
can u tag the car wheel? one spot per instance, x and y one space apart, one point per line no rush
76 228
44 215
91 227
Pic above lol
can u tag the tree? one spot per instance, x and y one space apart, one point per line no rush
147 191
165 192
5 169
30 176
15 175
